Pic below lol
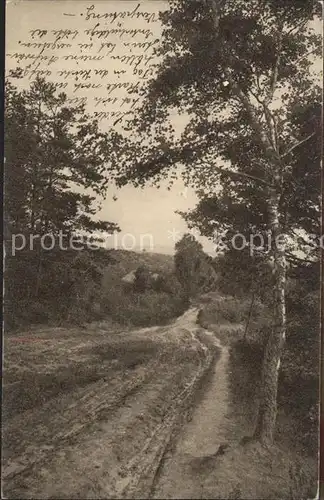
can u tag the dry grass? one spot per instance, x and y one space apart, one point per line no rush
283 471
82 404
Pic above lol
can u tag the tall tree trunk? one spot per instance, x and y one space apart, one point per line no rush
274 346
267 137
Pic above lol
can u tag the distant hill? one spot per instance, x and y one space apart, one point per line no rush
125 261
157 261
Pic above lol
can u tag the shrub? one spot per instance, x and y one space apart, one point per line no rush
229 310
143 309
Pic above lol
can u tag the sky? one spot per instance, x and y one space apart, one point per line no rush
138 212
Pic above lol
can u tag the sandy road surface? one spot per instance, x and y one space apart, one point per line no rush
181 474
89 414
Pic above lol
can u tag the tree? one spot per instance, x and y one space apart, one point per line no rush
52 150
168 283
142 278
187 259
240 73
193 267
242 275
54 153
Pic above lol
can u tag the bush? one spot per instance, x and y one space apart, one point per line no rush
229 310
143 309
61 286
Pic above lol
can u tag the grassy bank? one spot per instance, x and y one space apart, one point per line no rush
293 456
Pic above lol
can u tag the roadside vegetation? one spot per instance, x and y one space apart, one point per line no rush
244 330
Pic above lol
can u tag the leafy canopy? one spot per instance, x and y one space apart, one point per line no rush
250 105
54 154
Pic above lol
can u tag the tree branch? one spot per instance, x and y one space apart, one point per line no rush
293 258
275 71
232 173
269 149
302 24
216 8
256 97
299 143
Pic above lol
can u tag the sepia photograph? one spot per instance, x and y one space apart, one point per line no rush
163 240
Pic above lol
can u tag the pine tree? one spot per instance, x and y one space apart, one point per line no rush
57 161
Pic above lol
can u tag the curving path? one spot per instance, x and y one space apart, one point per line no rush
201 440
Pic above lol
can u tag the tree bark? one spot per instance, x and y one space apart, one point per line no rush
275 342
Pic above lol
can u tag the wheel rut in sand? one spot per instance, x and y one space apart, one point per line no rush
201 441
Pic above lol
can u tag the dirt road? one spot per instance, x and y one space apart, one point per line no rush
200 441
105 410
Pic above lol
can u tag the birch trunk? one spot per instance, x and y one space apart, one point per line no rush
274 346
267 137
